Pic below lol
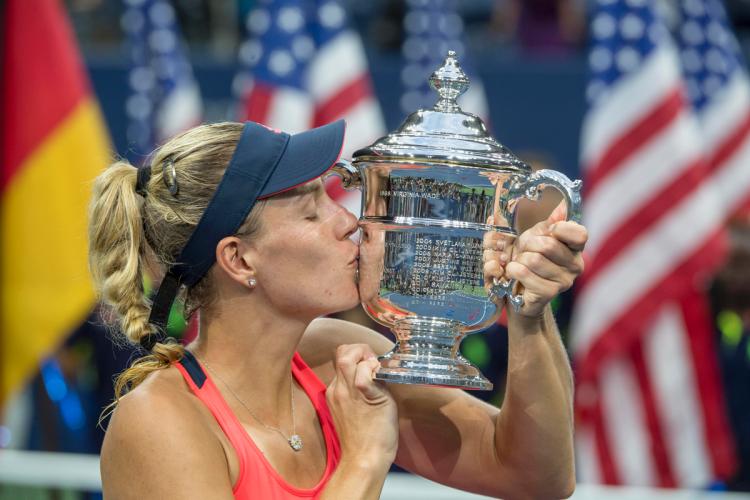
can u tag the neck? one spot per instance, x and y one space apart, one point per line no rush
251 354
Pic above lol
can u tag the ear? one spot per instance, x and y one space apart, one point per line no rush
233 258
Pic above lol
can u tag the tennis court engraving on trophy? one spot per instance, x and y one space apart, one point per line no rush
426 265
434 198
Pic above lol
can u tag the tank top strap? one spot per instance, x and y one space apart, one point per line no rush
204 388
316 390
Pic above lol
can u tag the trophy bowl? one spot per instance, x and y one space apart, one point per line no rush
433 192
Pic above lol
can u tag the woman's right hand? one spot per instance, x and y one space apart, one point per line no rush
363 410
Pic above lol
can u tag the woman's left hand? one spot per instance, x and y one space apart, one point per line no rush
545 260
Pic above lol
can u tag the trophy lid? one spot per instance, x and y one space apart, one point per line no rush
445 133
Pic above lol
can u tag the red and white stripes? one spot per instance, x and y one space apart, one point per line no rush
660 184
344 91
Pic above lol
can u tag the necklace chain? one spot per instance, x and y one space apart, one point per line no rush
294 440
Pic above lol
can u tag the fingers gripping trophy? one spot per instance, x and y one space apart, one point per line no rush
438 195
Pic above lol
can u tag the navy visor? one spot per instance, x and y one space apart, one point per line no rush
265 162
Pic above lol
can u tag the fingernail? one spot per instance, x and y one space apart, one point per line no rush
501 244
503 258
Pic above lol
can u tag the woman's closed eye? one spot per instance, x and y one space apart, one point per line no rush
309 208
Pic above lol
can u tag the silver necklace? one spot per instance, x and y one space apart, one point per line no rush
295 441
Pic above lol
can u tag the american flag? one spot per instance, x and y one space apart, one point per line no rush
432 28
304 67
665 154
165 98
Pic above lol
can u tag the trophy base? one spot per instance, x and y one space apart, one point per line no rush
426 353
429 369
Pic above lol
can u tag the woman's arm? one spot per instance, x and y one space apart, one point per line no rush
539 393
524 450
534 430
359 479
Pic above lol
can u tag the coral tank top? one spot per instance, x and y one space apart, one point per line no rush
257 478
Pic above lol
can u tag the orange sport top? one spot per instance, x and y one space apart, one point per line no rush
257 478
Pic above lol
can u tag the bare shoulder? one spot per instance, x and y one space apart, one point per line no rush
158 445
324 335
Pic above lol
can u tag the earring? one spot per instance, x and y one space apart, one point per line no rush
252 282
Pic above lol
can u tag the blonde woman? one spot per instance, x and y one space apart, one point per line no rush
271 402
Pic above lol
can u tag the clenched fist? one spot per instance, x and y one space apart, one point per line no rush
545 259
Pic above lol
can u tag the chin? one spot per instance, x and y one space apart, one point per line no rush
347 303
354 303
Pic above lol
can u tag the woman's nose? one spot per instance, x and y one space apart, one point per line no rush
352 222
346 222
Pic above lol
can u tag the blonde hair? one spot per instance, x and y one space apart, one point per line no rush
130 233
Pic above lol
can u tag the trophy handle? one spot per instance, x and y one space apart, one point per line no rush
350 178
531 187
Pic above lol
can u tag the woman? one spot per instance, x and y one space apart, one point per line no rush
238 220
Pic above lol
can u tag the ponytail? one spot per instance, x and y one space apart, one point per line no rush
117 249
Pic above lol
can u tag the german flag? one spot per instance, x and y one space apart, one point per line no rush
53 142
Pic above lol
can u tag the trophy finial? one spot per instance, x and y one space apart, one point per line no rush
450 82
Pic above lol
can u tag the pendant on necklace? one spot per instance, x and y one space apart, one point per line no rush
295 442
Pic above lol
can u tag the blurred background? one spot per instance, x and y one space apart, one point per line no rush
647 101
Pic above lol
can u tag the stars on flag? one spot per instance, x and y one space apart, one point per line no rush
432 29
623 34
281 43
302 66
709 52
164 96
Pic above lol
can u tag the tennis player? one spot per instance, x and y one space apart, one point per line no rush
272 401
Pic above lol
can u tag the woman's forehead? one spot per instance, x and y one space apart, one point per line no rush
300 194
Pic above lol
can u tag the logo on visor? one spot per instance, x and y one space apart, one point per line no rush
274 130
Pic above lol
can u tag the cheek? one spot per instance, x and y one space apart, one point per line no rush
300 261
297 252
306 287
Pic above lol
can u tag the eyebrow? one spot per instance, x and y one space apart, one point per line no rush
304 189
310 187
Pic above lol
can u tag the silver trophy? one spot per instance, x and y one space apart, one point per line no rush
433 193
